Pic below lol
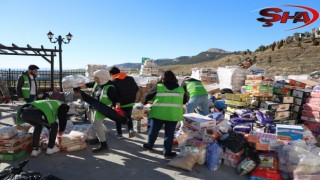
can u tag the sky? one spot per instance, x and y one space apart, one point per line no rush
119 31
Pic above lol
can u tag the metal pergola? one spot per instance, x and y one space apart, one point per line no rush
46 54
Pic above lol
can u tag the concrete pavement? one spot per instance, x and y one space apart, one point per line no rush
125 159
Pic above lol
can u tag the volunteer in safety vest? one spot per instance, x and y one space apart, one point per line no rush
104 91
44 113
198 96
167 109
127 89
27 88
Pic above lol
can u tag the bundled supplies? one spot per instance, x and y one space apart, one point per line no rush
72 81
91 68
231 77
8 132
73 141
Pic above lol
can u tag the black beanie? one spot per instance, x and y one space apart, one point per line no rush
114 70
33 67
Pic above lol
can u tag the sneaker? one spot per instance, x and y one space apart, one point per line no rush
132 133
52 150
146 146
35 152
94 142
119 136
170 155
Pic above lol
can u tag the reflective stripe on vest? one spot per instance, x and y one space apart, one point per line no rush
168 104
195 88
49 108
105 100
25 87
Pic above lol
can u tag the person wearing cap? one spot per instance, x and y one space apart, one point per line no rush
27 88
198 95
127 89
44 113
4 90
104 91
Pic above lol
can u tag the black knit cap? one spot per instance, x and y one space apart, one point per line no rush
114 70
32 67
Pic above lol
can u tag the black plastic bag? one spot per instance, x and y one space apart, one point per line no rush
233 141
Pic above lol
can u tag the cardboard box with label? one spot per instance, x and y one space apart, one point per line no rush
299 101
287 121
282 91
283 99
311 119
301 93
294 132
198 122
272 106
279 115
236 103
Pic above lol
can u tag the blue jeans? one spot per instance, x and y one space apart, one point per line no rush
30 99
169 128
198 101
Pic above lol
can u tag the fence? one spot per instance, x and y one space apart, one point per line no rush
43 77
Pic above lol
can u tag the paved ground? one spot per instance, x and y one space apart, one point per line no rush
124 160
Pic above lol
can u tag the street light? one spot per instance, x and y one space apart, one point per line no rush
60 40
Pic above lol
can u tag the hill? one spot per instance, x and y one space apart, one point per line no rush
293 58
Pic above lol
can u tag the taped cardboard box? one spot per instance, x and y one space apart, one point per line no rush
236 103
282 91
313 100
299 101
311 107
255 77
262 138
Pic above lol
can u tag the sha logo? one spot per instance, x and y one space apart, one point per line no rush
306 15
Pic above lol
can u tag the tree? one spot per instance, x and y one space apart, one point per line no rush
280 44
273 46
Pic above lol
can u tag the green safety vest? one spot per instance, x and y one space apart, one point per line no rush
26 87
48 107
167 104
104 99
195 88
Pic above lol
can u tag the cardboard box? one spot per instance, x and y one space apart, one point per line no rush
311 119
253 82
236 103
262 138
301 93
282 91
297 83
237 97
283 99
279 115
295 115
299 101
198 122
272 106
265 91
7 132
287 121
20 138
313 114
297 109
313 100
311 107
293 131
255 77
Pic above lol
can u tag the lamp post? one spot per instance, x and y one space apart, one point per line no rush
60 40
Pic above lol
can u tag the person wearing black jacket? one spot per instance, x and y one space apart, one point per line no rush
127 89
27 88
105 92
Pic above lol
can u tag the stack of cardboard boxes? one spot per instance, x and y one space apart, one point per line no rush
311 110
91 68
14 144
143 89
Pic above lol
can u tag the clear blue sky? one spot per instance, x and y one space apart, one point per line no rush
118 31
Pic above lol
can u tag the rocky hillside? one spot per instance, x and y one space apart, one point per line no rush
289 59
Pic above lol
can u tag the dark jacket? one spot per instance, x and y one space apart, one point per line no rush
184 85
152 93
126 87
112 93
21 82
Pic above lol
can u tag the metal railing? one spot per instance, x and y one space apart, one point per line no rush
43 77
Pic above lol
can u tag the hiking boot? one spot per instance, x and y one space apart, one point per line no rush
170 155
103 146
36 152
132 133
146 146
119 136
94 142
52 150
